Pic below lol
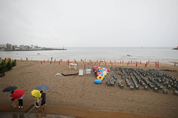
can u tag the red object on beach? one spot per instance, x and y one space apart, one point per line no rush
105 63
136 64
44 61
155 64
17 94
84 66
59 62
140 62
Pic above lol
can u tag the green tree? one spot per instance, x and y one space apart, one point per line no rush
3 68
9 65
14 63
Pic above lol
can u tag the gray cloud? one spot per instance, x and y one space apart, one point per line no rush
93 23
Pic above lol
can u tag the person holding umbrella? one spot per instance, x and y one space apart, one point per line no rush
18 94
11 90
13 103
36 94
43 96
43 100
20 102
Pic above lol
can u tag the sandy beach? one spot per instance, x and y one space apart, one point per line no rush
81 92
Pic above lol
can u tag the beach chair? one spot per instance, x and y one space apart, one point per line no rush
145 87
131 86
165 91
120 83
168 86
175 92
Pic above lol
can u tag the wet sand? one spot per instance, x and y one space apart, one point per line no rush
80 92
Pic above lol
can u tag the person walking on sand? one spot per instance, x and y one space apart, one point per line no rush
20 102
13 103
43 100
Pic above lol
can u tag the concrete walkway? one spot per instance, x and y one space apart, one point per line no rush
67 112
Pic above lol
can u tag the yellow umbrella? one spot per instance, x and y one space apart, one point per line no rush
36 93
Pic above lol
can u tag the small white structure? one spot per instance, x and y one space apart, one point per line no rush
72 66
88 70
80 71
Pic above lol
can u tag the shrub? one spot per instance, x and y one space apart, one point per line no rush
3 68
14 63
9 65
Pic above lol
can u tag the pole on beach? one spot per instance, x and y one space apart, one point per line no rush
105 63
136 64
59 63
44 61
41 62
84 66
50 62
140 62
158 64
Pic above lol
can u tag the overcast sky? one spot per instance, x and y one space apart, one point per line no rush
89 23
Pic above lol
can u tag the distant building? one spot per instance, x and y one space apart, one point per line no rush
22 47
14 47
9 46
3 46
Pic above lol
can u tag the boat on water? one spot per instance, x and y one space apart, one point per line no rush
175 48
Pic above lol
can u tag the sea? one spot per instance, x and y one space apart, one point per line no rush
134 54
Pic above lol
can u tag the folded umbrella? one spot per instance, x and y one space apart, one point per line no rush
9 89
42 87
36 93
17 94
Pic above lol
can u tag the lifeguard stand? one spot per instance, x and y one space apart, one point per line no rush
72 66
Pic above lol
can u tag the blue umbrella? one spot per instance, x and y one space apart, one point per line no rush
42 87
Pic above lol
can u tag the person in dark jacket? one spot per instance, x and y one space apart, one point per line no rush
43 100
